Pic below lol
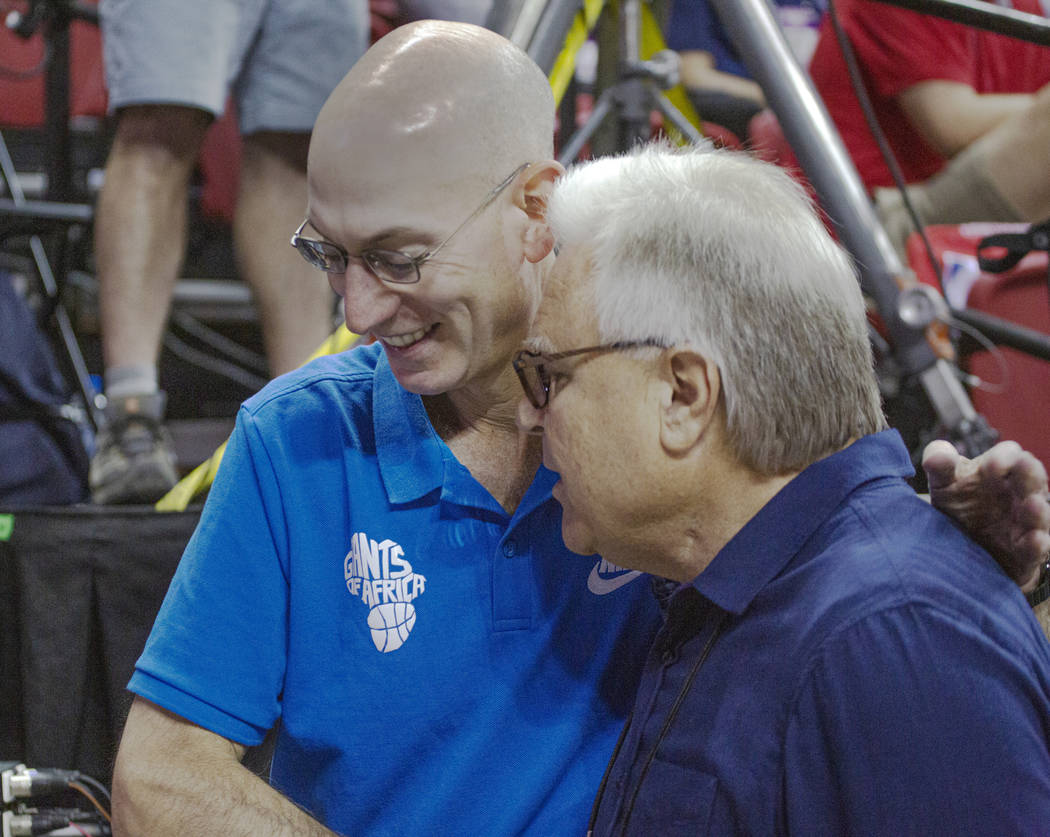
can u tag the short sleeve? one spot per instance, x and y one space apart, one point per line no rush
899 48
216 654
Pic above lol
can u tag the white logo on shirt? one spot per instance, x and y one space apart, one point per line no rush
606 577
377 573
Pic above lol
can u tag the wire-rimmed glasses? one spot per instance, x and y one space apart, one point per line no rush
387 265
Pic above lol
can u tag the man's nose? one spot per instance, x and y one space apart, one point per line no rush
530 419
367 300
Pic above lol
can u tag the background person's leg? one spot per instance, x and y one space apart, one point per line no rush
1017 158
140 240
294 300
140 226
304 48
1000 177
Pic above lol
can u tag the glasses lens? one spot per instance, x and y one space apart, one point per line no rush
391 266
534 379
321 255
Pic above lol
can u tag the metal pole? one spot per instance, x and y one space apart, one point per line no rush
983 15
814 139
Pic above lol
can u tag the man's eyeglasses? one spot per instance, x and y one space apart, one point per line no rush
387 265
534 372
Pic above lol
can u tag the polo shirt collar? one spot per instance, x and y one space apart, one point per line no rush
759 551
414 461
408 450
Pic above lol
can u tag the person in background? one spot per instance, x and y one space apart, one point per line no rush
837 657
712 70
170 66
965 111
379 571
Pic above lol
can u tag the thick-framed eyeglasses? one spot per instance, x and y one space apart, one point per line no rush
534 371
387 265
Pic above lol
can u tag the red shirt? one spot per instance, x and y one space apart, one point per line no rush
896 49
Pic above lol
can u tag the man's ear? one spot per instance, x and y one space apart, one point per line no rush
532 197
690 401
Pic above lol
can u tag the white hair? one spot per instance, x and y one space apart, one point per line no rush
722 251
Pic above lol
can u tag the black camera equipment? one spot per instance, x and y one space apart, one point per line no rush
57 216
45 802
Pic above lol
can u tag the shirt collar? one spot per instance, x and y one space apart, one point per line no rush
768 541
414 461
407 448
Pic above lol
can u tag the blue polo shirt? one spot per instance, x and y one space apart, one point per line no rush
438 666
849 663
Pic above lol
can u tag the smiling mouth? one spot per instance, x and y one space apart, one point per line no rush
403 341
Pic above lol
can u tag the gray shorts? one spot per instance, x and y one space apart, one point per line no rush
278 58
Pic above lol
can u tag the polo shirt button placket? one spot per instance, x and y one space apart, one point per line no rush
509 549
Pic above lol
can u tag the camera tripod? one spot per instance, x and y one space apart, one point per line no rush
639 84
56 215
635 94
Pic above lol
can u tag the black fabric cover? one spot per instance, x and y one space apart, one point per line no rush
79 589
43 453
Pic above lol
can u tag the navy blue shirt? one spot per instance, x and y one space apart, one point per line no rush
848 663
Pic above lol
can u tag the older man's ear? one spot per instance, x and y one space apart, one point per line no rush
532 197
689 398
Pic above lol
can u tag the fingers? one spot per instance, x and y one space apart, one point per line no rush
1018 470
1034 514
940 460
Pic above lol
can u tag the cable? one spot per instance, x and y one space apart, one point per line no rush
213 339
81 789
182 350
251 361
972 380
99 788
861 92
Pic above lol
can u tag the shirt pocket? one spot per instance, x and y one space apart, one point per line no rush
676 800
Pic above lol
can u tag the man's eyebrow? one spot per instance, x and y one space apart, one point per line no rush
384 237
399 234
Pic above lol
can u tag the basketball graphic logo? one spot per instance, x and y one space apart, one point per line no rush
391 623
380 576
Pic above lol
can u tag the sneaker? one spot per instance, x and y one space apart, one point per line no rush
134 461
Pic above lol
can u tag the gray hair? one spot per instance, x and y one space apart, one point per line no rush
722 251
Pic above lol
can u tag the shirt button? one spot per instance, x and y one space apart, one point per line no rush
669 656
509 549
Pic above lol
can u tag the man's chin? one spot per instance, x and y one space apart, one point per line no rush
434 381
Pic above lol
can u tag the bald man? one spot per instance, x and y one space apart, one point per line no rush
379 566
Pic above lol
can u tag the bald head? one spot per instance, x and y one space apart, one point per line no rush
441 98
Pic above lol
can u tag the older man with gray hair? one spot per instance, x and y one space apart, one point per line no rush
837 656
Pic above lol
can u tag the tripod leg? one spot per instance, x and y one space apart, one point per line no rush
683 125
576 142
72 359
